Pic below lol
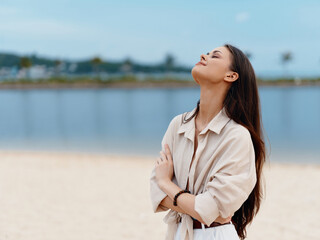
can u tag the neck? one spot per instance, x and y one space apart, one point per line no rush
211 102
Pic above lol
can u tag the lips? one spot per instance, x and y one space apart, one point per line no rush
201 63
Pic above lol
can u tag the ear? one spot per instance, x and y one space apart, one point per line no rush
231 76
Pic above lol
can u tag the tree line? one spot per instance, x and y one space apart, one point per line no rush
95 64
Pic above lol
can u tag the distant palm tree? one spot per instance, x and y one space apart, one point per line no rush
127 65
57 64
169 62
26 63
285 58
96 62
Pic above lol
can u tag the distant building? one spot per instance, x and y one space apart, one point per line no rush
8 73
34 72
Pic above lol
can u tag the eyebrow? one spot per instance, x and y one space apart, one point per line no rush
215 52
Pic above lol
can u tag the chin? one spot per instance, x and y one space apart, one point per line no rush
194 71
195 74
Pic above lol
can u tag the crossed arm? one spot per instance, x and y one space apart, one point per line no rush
185 201
168 202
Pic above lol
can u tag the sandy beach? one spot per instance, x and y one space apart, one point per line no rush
62 196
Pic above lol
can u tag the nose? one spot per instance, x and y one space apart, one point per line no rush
202 56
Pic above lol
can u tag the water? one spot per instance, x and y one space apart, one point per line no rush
133 121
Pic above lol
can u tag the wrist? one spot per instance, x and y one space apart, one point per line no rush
177 195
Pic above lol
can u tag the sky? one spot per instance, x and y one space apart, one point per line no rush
145 31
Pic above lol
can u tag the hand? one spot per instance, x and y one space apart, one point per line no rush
164 166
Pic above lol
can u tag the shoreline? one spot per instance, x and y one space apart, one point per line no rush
274 159
132 85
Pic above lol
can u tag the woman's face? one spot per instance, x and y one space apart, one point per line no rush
213 67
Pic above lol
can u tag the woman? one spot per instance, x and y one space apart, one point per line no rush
216 152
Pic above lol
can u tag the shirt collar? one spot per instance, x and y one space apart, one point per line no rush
215 125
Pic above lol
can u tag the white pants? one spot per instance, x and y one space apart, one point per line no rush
223 232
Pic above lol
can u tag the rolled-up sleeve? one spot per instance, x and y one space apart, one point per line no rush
232 182
156 194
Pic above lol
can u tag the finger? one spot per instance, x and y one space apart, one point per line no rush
168 152
164 157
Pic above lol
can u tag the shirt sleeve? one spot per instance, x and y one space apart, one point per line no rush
156 194
232 182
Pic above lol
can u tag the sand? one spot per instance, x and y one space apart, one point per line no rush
62 196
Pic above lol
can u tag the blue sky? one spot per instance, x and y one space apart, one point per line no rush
146 30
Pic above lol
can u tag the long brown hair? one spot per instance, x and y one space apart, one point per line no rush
242 104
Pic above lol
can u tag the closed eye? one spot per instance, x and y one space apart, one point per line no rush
213 56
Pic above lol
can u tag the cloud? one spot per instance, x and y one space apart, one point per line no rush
38 28
16 22
8 11
242 17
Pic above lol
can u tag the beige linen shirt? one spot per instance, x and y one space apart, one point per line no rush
222 173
